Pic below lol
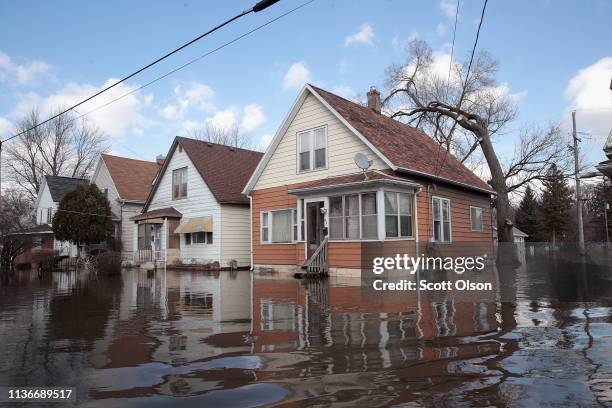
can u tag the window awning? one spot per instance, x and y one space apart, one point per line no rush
197 224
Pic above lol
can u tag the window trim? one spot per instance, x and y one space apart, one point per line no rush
450 220
269 227
343 217
193 243
481 220
186 181
311 150
399 215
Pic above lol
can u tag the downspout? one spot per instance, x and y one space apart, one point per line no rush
251 231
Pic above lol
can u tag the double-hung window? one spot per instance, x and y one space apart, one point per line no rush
279 226
353 216
179 183
398 215
441 219
312 149
476 218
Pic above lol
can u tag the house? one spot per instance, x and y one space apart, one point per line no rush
312 204
51 192
519 236
196 212
605 167
126 183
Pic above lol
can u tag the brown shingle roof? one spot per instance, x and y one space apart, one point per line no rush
224 169
168 212
403 145
132 178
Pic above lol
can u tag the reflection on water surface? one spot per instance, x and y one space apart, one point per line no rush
232 339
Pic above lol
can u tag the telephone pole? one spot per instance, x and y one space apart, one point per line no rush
577 178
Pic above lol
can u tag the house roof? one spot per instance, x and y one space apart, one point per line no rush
59 186
168 212
408 148
38 229
355 180
518 233
133 179
224 169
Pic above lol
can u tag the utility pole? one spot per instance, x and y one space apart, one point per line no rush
578 195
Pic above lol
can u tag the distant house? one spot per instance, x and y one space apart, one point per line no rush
519 236
126 184
312 205
196 212
51 192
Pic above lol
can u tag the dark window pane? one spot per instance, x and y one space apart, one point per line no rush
352 227
304 161
391 226
336 206
187 239
437 231
209 237
390 203
335 228
406 225
319 158
369 228
368 203
446 231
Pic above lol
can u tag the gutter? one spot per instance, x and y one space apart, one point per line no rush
354 184
251 231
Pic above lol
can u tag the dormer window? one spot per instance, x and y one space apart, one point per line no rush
312 149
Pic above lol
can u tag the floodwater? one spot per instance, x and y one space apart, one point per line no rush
542 337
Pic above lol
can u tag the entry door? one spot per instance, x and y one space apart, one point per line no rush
157 241
315 223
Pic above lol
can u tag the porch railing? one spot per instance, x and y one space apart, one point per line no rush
317 263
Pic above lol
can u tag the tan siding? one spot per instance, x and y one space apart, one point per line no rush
342 147
235 230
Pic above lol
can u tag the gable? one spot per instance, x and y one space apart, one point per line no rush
342 144
131 178
103 179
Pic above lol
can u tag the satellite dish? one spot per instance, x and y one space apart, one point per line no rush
362 161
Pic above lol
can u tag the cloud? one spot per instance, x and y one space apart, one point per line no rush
193 96
5 127
297 75
588 92
448 8
265 140
400 44
252 117
23 74
365 36
344 91
441 30
223 120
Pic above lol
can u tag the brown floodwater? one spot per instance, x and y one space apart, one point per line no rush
541 337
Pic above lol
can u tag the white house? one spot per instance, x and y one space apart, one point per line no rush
126 184
196 212
51 192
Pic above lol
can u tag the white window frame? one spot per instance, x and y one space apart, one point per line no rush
269 226
411 198
311 132
206 240
450 220
184 194
472 221
360 215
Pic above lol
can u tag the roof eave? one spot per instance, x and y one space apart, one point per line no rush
355 184
434 177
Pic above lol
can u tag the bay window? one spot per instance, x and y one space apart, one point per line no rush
398 215
312 149
441 219
353 216
279 226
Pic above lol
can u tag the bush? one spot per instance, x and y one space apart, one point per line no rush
109 263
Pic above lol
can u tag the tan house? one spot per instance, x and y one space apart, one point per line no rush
196 212
313 206
126 184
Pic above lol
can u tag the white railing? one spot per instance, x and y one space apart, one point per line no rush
317 263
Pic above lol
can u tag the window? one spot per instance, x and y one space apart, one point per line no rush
179 183
441 219
353 216
301 222
279 227
398 215
37 242
198 238
49 215
476 218
312 149
105 192
145 234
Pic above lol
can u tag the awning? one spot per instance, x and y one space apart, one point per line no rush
197 224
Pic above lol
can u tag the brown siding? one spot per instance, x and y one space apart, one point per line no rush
349 254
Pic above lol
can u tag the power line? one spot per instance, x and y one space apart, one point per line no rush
450 63
263 4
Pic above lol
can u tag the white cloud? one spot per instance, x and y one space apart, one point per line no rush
5 127
344 91
223 120
448 8
588 92
441 30
265 140
195 96
252 117
24 74
297 75
400 44
365 36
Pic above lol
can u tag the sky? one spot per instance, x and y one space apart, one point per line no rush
554 56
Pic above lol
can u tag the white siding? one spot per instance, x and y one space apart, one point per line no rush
200 202
128 231
235 243
103 179
342 146
44 203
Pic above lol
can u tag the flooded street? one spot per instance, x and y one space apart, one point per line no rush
542 337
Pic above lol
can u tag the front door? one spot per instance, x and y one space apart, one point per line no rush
156 242
315 226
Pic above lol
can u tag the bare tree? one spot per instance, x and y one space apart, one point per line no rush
64 146
466 114
15 218
230 136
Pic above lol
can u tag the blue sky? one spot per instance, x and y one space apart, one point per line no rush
554 55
